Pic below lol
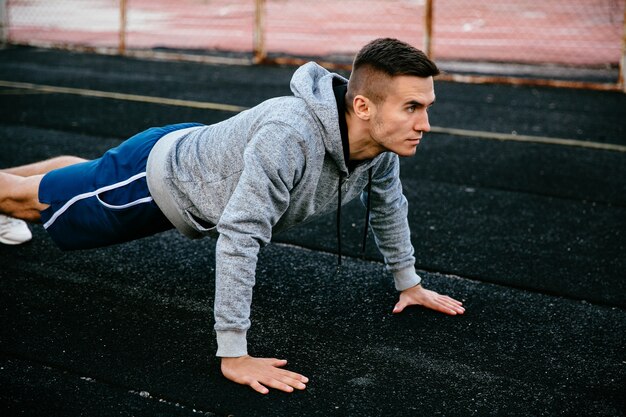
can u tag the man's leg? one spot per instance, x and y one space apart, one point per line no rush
19 187
19 196
43 167
18 200
90 204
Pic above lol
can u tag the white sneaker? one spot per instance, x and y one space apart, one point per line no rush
13 231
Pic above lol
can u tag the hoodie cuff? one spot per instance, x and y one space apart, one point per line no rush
231 343
406 278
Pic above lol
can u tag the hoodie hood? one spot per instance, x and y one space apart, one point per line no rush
314 85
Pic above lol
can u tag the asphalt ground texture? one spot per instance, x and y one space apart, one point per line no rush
530 236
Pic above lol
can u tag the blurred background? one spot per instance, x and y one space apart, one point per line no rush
567 42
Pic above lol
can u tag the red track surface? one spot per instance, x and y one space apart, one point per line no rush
583 32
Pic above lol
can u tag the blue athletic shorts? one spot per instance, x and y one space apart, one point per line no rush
105 201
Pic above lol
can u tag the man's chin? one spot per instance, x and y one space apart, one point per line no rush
410 151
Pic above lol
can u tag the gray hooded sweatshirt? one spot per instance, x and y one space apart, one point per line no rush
265 170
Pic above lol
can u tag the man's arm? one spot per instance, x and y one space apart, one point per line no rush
389 221
391 229
260 198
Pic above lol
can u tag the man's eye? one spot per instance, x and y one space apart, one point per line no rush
411 109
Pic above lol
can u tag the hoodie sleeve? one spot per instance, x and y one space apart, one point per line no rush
272 164
389 221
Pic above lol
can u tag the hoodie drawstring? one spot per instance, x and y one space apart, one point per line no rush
339 223
367 212
367 218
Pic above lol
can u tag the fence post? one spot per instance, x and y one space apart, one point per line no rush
122 33
4 22
428 28
622 61
260 54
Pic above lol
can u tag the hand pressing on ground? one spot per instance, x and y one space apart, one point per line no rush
261 373
419 295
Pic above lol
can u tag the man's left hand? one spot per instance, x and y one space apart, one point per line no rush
419 295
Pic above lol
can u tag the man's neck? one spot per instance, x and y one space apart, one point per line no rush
362 147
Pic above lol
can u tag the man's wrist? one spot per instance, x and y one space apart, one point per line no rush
406 278
414 287
231 343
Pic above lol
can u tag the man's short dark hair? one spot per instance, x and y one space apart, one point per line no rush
381 59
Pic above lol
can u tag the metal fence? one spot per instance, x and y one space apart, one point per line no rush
572 43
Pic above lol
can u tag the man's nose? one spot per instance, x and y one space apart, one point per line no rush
422 124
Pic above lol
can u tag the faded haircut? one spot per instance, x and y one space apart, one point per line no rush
382 59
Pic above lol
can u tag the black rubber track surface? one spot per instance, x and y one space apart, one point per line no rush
530 236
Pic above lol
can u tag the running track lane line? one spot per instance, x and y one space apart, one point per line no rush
235 109
122 96
527 138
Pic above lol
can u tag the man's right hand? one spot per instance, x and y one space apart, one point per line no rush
261 373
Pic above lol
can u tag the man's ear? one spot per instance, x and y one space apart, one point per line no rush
362 107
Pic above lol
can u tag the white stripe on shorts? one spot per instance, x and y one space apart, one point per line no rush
95 193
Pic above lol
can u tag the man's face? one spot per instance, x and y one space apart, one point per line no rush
398 123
